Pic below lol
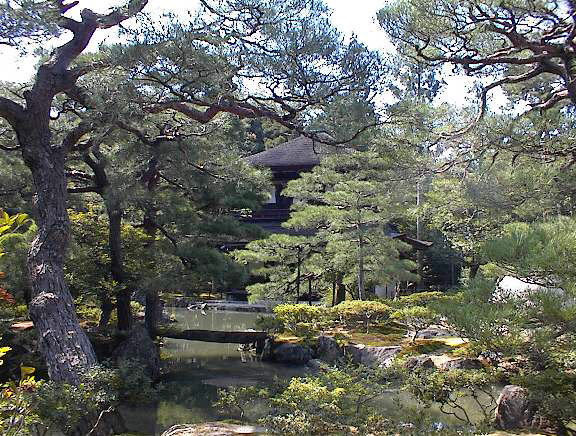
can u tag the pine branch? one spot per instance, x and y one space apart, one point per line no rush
11 111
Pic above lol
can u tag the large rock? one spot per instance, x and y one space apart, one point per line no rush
513 408
328 350
295 354
419 362
462 363
140 347
316 365
371 356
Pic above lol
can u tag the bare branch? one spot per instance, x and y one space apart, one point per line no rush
84 30
484 98
65 7
246 110
5 148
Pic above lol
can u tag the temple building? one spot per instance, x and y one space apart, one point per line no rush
286 162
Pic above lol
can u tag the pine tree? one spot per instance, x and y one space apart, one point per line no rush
290 47
349 200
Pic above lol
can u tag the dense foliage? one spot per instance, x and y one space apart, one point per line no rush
123 178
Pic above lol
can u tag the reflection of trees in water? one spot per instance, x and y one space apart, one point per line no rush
214 319
184 396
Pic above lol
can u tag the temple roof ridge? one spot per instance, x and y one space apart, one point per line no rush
298 152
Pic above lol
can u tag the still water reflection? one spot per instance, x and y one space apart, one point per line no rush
194 371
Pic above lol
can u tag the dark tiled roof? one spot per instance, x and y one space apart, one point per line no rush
299 152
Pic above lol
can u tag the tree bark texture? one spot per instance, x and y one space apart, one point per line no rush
474 268
361 290
62 342
151 312
340 291
106 308
124 296
115 214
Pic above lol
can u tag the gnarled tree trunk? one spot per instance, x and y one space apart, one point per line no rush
62 342
474 268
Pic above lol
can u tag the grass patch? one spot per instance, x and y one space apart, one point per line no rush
286 338
388 328
449 345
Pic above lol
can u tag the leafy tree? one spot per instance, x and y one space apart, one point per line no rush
289 47
525 46
29 20
449 388
470 205
283 260
88 269
16 231
539 325
64 345
336 400
514 45
13 231
348 202
465 221
540 252
12 227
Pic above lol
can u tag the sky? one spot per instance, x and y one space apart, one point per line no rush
350 17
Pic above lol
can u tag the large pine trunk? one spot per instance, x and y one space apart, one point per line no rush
62 342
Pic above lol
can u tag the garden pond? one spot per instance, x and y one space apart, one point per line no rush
195 371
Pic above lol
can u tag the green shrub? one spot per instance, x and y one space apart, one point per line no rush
61 407
337 401
270 324
301 319
87 312
416 318
351 313
449 388
10 310
418 299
